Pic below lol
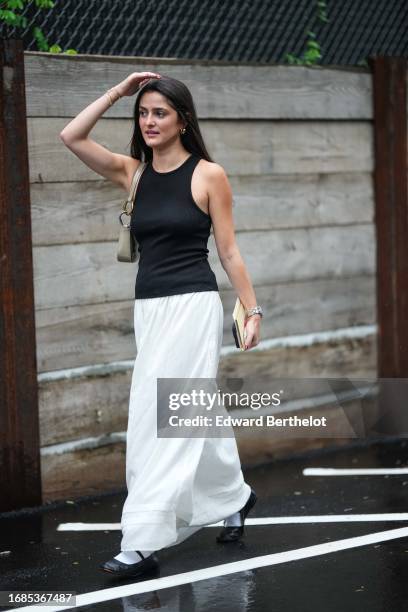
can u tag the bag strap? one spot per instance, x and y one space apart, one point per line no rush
133 187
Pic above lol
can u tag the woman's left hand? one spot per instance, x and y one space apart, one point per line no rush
252 330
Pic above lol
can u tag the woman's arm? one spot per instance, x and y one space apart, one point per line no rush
220 209
113 166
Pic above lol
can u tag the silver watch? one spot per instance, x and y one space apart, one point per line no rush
254 310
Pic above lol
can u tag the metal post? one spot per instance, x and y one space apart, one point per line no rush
20 475
391 213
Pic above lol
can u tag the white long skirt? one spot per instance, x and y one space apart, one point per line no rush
175 485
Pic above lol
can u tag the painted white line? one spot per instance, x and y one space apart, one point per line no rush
353 471
267 520
326 518
223 570
88 526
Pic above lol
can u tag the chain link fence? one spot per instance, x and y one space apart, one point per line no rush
261 31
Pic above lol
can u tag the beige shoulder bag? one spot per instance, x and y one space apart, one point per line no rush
127 246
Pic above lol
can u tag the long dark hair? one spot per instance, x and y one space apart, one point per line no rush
178 97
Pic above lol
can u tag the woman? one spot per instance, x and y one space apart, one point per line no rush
175 485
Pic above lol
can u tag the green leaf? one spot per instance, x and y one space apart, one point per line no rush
15 5
8 17
311 53
71 52
55 49
45 4
40 39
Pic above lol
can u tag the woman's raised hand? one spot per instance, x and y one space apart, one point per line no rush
134 81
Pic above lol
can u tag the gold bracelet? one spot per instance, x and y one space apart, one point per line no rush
108 93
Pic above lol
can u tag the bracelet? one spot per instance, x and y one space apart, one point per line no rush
109 92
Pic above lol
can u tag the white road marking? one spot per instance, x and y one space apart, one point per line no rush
88 526
353 471
267 520
224 569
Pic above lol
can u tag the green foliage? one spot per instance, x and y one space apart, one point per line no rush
312 54
11 18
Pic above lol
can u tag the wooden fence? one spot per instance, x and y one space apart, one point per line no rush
297 145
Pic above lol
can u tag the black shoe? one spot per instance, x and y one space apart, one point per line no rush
118 568
231 534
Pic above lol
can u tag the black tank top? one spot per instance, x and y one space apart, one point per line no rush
172 232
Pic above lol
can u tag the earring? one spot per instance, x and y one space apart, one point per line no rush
183 130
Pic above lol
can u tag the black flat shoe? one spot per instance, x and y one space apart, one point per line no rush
232 534
118 568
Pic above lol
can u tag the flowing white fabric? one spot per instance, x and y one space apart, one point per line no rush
175 485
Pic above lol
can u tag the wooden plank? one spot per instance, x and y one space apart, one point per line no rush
267 147
87 211
83 472
102 333
60 86
275 201
76 336
391 212
241 147
88 273
299 254
84 407
262 445
91 406
20 477
291 308
336 359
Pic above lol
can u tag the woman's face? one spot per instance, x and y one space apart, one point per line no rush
159 118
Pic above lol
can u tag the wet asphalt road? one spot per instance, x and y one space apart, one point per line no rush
372 577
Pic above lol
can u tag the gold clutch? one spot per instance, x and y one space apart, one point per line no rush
238 326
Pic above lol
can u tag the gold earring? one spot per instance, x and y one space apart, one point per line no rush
183 130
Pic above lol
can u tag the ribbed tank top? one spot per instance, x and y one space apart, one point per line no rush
172 232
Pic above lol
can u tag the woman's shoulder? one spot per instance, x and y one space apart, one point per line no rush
212 173
210 169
